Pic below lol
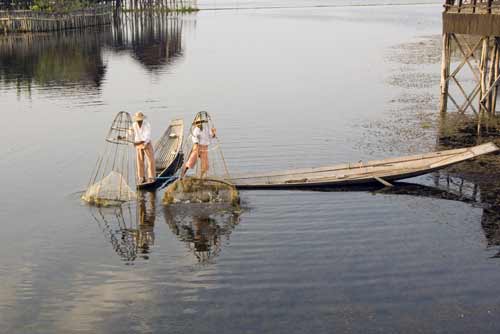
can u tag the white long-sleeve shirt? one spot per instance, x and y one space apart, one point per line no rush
142 133
201 137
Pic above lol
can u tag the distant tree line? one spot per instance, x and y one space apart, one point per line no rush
49 5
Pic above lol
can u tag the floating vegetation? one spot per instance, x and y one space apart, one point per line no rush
411 122
426 50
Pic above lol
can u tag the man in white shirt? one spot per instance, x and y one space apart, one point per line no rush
201 137
144 148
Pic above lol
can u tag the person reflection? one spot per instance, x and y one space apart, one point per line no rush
202 232
146 214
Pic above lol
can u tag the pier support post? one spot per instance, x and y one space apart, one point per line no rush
445 72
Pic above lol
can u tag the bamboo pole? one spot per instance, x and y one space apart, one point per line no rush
445 71
496 74
483 68
491 78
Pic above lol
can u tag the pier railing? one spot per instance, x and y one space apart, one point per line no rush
472 6
37 21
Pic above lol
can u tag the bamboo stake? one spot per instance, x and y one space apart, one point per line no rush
445 71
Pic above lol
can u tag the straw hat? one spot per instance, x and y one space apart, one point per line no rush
200 117
139 116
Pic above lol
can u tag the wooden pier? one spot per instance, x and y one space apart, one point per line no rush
471 34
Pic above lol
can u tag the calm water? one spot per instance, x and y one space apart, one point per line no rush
287 88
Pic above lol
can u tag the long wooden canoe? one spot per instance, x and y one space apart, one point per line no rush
168 155
358 173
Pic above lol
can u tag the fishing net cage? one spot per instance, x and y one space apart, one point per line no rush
113 173
208 179
216 168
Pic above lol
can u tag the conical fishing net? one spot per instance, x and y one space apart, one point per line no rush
210 162
207 177
112 188
109 183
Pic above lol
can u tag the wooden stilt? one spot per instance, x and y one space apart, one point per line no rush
445 71
496 74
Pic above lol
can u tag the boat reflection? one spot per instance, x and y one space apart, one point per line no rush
203 229
130 227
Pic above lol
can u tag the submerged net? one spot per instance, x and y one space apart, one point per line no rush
112 189
109 183
194 190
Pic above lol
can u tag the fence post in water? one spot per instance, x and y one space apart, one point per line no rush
445 72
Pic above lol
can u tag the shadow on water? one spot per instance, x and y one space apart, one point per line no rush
74 59
130 227
202 228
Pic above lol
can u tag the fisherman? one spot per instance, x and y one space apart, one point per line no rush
201 137
144 148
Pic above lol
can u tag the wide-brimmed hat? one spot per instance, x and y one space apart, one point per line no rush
139 116
201 117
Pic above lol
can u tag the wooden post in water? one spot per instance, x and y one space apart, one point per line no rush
445 72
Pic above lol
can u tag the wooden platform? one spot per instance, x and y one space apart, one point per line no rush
473 17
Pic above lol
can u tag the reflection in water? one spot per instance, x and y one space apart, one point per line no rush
202 228
58 59
479 178
452 187
483 192
129 228
154 39
74 59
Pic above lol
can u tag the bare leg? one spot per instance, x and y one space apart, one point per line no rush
183 172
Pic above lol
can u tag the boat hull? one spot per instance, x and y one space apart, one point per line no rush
360 173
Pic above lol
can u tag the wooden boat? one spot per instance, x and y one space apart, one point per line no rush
168 155
380 171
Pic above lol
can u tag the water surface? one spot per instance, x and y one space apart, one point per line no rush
287 88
